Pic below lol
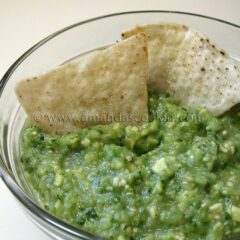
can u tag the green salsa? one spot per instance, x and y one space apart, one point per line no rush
174 178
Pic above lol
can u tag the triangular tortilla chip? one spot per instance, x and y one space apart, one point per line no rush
187 64
106 86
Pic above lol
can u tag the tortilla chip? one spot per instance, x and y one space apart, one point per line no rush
188 65
105 86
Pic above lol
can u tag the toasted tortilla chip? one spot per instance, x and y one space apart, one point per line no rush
105 86
187 64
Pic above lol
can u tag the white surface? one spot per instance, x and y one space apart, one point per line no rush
25 22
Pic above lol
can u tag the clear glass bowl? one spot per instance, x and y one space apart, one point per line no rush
58 48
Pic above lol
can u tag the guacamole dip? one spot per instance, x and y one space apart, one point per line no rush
174 178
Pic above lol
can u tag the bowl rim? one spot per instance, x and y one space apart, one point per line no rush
6 176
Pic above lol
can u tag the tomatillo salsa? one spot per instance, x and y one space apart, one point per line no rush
174 178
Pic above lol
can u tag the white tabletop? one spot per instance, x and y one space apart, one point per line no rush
25 22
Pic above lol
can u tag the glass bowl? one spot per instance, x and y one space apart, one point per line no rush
58 48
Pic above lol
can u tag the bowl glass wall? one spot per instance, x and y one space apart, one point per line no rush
58 48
